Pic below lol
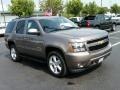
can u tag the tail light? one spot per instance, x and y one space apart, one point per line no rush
88 24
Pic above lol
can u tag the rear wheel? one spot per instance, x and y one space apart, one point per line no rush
14 54
56 64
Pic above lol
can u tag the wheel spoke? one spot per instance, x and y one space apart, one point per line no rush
54 59
51 62
58 62
59 68
55 70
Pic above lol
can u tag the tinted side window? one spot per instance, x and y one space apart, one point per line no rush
20 27
10 27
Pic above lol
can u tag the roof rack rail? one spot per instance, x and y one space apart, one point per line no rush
22 17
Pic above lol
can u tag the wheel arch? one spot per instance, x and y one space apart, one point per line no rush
10 43
48 49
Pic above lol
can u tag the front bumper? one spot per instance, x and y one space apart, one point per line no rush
86 59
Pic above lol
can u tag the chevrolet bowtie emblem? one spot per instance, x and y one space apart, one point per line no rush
101 42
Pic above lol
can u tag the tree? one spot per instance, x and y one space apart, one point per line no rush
55 5
22 8
115 9
90 9
102 10
93 8
74 7
85 10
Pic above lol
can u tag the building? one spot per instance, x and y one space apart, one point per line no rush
8 16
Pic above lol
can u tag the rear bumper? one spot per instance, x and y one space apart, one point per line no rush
86 59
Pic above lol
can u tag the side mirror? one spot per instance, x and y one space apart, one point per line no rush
33 31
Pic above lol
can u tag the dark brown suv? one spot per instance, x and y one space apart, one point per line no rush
58 42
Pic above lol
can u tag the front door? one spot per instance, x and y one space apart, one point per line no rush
34 43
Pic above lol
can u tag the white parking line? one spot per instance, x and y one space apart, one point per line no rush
114 32
115 44
114 38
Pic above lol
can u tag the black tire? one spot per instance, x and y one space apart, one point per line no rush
63 71
17 57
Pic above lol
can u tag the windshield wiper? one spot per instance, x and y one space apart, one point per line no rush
72 28
52 29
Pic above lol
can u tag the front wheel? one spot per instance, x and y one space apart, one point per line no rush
56 64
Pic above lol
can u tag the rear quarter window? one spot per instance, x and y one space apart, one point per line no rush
10 27
20 27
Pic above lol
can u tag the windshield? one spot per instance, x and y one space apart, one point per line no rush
56 24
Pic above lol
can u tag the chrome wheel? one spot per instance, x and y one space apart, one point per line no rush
55 64
13 54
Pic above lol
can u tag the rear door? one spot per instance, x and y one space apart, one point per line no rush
104 22
9 29
108 22
19 36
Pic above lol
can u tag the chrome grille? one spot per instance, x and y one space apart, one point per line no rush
98 43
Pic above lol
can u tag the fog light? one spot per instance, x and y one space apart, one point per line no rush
81 66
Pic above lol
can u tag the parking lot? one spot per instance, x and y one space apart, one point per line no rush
30 75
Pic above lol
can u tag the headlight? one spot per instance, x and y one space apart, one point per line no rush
77 47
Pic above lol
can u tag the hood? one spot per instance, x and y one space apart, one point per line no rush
81 33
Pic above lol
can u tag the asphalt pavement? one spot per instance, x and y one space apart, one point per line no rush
30 75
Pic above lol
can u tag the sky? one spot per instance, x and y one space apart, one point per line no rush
106 3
